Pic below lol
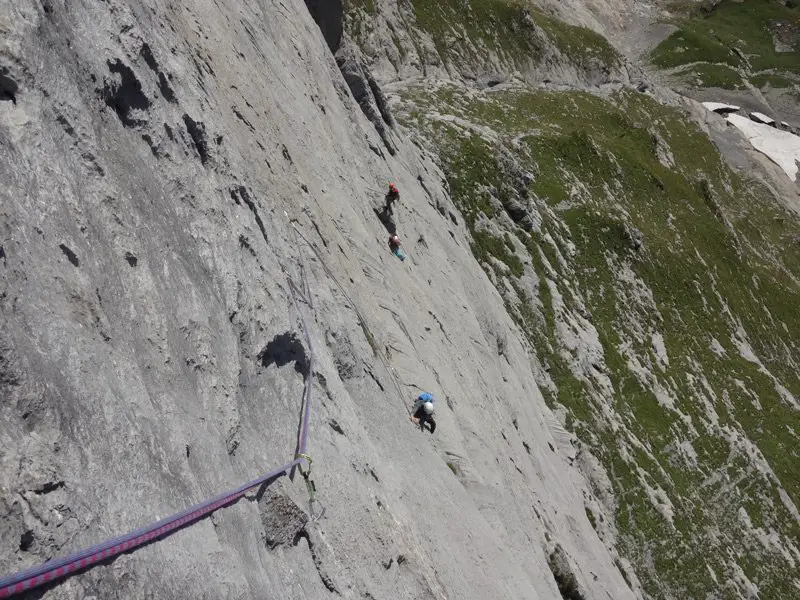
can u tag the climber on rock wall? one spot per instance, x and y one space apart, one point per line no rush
422 411
386 213
392 196
394 246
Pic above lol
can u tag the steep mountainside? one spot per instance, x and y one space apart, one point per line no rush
745 52
485 42
601 290
154 158
655 279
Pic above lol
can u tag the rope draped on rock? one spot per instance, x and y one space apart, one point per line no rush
362 321
62 567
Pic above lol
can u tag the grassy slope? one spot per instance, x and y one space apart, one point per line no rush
467 32
710 38
718 258
700 449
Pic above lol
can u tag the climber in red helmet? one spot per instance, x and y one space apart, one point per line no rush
392 196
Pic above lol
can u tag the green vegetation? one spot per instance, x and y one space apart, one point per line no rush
351 6
687 46
577 43
485 245
706 75
643 242
768 80
498 24
669 244
358 17
751 35
465 32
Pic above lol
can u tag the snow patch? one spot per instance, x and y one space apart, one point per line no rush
781 147
762 118
720 107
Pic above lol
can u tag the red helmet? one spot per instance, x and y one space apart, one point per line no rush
391 187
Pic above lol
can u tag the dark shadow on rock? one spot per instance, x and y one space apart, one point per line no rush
334 424
124 94
566 581
8 87
282 350
386 217
329 15
313 540
381 102
197 131
71 256
163 84
366 91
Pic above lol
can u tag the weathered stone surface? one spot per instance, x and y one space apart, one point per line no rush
284 522
365 90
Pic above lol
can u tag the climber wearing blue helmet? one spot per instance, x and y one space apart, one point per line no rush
422 412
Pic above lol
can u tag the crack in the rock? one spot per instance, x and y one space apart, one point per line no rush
323 575
242 193
197 131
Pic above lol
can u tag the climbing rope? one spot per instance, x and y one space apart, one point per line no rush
362 321
62 567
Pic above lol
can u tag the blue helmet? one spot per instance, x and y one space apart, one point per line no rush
425 397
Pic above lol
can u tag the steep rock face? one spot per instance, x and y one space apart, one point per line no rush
366 91
584 201
151 161
654 340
